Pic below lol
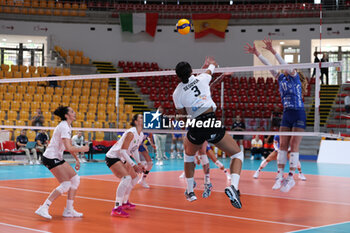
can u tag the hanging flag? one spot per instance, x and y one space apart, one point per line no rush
138 22
205 24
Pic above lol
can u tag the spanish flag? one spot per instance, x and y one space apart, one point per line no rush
210 23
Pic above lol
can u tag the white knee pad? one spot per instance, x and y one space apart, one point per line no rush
64 187
239 156
189 159
179 145
204 159
75 181
294 159
282 157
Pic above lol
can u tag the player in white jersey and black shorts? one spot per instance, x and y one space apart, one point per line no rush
118 159
64 173
192 96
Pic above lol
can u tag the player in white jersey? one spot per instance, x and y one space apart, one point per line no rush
119 161
64 173
192 96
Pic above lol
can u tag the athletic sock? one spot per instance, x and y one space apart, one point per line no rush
235 180
190 182
47 203
263 164
69 204
280 172
206 178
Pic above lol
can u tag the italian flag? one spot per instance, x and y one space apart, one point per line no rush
138 22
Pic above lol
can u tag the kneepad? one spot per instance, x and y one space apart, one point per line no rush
282 157
204 159
239 156
64 187
189 159
179 145
294 159
75 181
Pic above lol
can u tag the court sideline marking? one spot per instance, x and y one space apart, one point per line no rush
25 228
172 209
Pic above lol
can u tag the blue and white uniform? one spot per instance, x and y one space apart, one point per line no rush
292 100
276 142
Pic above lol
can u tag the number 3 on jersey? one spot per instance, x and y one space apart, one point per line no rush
196 91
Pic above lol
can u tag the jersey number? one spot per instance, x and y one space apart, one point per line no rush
196 91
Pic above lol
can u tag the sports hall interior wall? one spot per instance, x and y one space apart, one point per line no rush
169 47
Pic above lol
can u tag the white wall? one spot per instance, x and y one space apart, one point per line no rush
167 47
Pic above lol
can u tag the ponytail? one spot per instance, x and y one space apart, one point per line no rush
61 112
304 83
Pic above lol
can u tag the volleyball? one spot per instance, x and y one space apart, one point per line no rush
183 26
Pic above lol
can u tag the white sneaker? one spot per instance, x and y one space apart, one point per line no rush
31 162
157 163
165 157
172 157
251 157
287 184
179 156
84 160
302 177
256 174
182 176
223 155
160 163
278 183
143 183
43 211
37 162
71 213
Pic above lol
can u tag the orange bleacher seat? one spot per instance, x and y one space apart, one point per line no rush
101 116
101 107
58 71
71 53
67 5
11 89
66 71
40 69
79 53
31 90
47 116
104 85
92 107
31 135
49 70
83 107
45 106
78 83
58 90
59 5
82 13
35 3
56 98
48 98
84 99
10 3
17 74
128 108
66 99
112 117
93 99
34 106
74 106
110 108
20 122
74 99
5 67
5 105
18 97
25 106
7 10
51 4
111 99
23 69
94 92
7 74
76 124
103 92
28 97
8 96
43 4
14 68
98 124
32 69
86 61
77 60
56 12
67 91
12 115
69 58
24 11
90 116
24 115
75 6
49 90
87 124
2 115
83 6
122 116
48 12
70 83
40 11
15 105
38 97
99 136
54 106
26 75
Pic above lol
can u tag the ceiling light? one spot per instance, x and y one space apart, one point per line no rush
281 42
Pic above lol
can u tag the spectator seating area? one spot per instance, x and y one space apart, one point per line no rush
340 119
15 71
75 57
43 7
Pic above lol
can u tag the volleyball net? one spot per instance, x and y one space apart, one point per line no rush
105 108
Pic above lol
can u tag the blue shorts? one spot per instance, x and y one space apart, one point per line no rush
294 118
208 148
142 148
176 135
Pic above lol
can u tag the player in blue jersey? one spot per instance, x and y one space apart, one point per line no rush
292 85
145 158
273 156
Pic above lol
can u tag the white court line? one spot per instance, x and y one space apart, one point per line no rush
329 225
172 209
25 228
251 194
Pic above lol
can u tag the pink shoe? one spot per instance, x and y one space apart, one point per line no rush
128 206
119 212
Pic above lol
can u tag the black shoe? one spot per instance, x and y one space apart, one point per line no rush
190 196
234 196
